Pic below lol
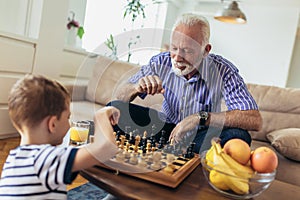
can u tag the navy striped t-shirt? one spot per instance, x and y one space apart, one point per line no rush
37 172
217 79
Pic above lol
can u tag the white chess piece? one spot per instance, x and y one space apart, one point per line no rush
142 163
156 165
133 159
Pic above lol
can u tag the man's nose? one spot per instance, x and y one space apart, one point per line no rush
178 56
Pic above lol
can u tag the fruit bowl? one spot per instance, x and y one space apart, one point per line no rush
234 182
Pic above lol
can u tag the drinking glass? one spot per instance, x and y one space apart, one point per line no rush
79 132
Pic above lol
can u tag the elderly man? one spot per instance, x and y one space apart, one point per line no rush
193 83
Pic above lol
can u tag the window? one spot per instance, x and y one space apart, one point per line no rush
131 38
21 17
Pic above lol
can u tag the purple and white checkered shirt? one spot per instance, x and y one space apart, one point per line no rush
218 78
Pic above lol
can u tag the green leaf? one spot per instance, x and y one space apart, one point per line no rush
80 32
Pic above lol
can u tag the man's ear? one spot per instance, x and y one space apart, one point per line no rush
207 50
52 124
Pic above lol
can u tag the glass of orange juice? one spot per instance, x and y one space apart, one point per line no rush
79 132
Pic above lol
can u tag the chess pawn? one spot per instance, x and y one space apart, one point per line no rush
126 152
141 162
120 156
122 138
137 142
133 159
156 165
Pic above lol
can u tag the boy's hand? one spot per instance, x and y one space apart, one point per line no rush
104 145
111 112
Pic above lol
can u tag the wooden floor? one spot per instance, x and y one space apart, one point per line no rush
10 143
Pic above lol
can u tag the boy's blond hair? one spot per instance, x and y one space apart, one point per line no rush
35 97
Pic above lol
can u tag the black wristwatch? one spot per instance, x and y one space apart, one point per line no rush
203 116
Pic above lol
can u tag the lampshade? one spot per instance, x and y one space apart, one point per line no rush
231 14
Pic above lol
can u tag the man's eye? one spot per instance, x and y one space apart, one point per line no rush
188 51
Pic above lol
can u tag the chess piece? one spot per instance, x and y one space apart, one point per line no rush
141 162
126 152
156 165
120 157
137 142
122 138
133 159
189 152
161 143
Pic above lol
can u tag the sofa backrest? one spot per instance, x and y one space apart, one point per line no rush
279 107
108 75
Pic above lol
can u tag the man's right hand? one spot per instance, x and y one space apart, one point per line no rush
150 85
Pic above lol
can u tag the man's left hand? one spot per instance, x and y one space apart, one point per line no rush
180 130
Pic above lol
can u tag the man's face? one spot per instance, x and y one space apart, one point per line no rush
186 49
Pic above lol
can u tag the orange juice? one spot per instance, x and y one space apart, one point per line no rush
79 134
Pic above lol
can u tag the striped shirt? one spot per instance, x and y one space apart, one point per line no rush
217 79
37 172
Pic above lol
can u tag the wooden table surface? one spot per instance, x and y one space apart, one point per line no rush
194 186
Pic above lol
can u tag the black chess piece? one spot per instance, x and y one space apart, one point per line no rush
161 143
127 131
163 135
189 152
118 135
131 139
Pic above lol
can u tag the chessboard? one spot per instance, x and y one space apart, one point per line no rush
153 159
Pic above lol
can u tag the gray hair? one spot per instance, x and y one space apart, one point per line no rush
191 19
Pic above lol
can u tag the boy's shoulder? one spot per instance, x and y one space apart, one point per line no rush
36 149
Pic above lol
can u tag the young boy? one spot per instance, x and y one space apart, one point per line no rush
38 169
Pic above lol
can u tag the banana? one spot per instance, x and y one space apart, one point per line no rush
217 179
210 157
222 163
244 171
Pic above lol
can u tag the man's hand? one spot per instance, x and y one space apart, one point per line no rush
187 124
150 85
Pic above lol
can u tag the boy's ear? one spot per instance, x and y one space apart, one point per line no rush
52 124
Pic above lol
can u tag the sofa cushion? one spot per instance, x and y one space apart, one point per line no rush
278 106
107 75
273 121
287 142
83 110
277 99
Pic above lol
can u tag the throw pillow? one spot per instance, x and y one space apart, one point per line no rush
287 142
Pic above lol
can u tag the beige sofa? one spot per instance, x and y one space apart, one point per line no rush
280 109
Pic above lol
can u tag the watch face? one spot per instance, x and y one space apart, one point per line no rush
203 114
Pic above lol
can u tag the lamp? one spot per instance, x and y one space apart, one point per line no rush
231 14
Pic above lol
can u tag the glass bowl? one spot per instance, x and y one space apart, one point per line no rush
257 182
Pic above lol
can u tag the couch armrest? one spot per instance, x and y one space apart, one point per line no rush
77 89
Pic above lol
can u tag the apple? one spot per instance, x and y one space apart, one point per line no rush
264 160
238 149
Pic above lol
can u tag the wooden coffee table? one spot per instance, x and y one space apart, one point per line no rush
194 186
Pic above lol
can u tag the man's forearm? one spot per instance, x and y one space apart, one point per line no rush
249 119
